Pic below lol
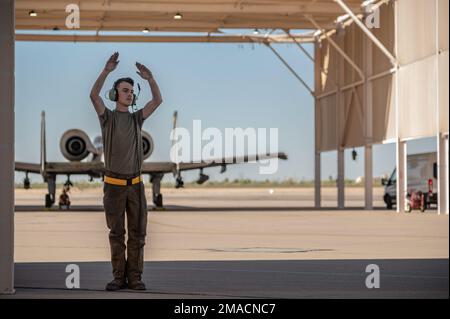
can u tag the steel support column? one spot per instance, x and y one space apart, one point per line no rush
7 14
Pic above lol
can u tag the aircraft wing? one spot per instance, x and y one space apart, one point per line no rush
170 167
96 168
158 167
231 160
28 167
75 168
72 168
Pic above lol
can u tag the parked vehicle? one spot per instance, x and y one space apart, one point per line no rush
421 177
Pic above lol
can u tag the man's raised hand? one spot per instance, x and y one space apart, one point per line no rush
112 62
144 72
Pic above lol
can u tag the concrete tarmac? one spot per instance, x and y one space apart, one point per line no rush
199 249
417 278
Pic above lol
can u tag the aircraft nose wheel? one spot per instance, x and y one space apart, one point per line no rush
179 182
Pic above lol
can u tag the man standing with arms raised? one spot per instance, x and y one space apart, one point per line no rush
123 187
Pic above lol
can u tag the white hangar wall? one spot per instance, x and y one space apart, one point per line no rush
422 52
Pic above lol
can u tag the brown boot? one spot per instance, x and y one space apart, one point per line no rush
116 284
136 285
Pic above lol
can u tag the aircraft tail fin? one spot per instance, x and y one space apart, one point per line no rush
43 159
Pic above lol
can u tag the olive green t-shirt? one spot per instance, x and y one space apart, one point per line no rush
119 141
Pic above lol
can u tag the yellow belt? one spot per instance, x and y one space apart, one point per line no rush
122 182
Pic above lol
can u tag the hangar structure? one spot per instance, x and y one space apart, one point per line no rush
381 70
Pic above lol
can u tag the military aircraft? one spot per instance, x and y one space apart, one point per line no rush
76 145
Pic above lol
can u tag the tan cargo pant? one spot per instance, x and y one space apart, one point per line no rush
117 200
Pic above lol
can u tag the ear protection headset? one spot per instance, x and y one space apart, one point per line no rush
113 94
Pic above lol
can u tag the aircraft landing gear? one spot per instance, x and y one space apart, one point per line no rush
26 181
179 181
49 201
155 179
50 197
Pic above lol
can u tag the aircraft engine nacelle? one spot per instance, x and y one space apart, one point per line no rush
75 145
147 144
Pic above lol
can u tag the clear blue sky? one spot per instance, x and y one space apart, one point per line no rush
224 85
